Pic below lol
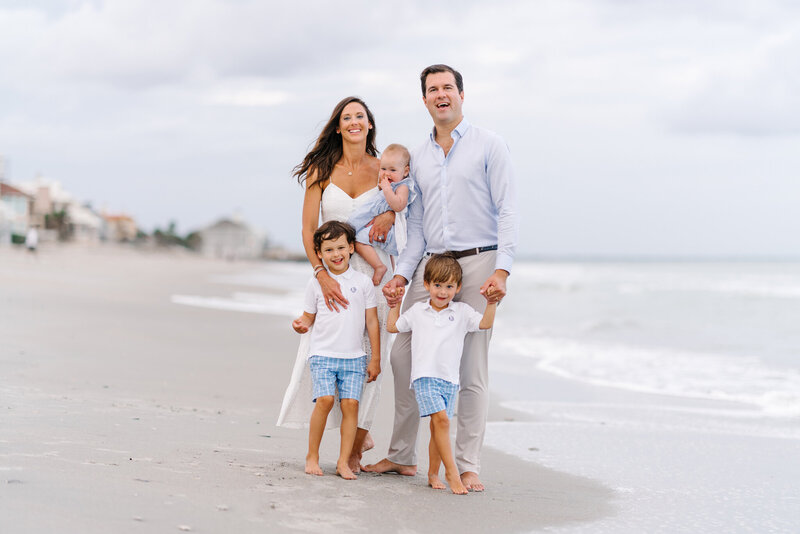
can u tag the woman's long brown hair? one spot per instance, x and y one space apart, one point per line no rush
328 148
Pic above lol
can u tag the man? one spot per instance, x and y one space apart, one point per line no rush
466 205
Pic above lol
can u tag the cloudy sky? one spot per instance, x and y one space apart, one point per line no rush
653 127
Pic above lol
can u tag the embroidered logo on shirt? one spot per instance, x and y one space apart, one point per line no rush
353 289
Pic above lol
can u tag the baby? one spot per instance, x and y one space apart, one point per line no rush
398 193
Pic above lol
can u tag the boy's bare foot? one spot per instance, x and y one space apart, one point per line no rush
344 471
435 482
368 443
456 486
378 273
471 481
388 466
355 463
312 467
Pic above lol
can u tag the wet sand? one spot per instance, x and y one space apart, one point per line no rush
124 412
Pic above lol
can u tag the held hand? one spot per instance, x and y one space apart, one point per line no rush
394 290
494 289
380 225
373 370
331 292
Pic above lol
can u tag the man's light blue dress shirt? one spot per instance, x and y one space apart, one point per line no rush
465 200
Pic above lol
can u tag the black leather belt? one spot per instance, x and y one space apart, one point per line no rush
469 252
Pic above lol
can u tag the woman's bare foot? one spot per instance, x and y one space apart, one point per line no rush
312 466
471 481
368 443
377 274
344 471
456 486
435 482
355 463
387 466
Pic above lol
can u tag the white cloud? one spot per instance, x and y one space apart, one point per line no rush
610 107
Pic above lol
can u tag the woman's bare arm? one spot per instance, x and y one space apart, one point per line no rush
311 204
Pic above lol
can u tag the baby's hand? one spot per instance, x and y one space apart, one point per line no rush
384 183
300 326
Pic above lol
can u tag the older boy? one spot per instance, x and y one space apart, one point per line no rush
439 327
337 359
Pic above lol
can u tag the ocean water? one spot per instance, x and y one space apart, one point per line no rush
675 384
721 331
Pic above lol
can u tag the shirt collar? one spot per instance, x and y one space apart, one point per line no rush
457 133
429 307
347 275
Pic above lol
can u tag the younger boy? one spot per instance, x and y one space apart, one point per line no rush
439 327
336 355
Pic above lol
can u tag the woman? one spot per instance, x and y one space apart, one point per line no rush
340 174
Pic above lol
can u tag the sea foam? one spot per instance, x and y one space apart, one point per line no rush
666 371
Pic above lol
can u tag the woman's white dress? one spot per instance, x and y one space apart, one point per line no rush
297 404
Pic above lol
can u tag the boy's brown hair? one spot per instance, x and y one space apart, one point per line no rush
333 230
442 268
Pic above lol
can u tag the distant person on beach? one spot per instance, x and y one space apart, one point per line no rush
338 362
397 191
32 239
439 327
340 174
466 205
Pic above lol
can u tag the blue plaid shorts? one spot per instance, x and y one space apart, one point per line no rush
434 395
345 374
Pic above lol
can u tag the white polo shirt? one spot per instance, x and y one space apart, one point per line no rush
340 334
438 339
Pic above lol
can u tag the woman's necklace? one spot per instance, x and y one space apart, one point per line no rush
353 169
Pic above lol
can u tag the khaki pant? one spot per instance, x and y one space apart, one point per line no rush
473 396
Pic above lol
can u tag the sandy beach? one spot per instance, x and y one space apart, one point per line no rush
123 411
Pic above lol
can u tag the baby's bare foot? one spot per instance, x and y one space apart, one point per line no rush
435 482
377 275
312 467
344 471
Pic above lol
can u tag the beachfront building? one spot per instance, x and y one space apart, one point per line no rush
120 228
15 211
231 240
59 214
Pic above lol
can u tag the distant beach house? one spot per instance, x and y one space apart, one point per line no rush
15 211
231 240
120 228
60 214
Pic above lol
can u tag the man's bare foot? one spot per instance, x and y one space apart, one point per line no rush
387 466
471 481
435 482
368 443
378 273
312 467
355 463
344 471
